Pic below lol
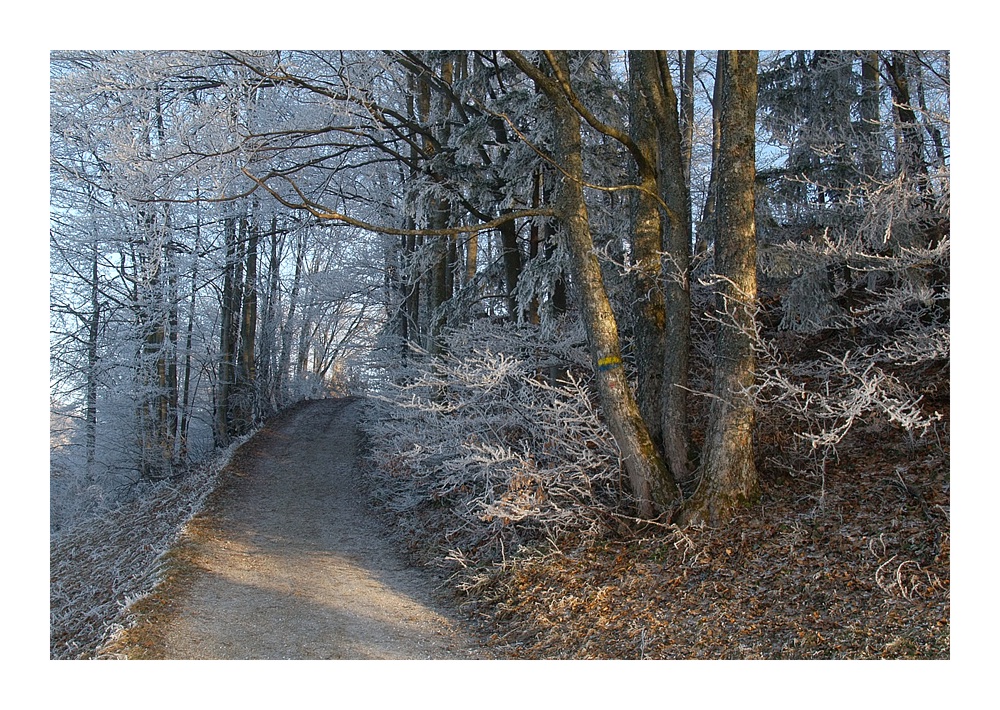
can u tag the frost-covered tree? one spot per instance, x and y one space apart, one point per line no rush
651 480
855 215
171 281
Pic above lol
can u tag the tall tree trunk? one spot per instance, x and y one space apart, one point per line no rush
662 227
910 155
687 120
649 310
471 258
933 132
173 325
247 372
434 115
411 276
186 395
306 331
650 480
156 450
868 108
543 242
411 293
93 331
227 338
267 357
93 325
437 291
285 359
708 224
560 290
534 241
676 274
167 317
454 277
512 265
729 476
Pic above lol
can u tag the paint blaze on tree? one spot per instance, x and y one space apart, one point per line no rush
651 482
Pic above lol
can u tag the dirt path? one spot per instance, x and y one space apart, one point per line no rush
287 562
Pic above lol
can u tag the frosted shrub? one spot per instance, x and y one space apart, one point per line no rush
111 559
829 395
504 429
870 308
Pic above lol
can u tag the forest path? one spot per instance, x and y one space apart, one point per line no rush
287 562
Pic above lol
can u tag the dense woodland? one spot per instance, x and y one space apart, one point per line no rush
590 295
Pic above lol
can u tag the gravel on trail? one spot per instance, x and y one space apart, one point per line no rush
287 561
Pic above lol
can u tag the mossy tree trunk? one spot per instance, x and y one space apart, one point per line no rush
650 480
729 476
661 226
649 309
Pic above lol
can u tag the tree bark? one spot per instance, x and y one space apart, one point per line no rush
172 413
910 160
512 266
247 372
676 247
729 476
687 119
285 358
868 108
649 310
661 226
707 226
93 333
266 357
650 481
227 334
434 116
186 394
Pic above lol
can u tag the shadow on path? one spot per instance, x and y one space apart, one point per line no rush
288 562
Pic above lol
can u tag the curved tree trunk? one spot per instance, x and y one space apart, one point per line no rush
676 273
650 480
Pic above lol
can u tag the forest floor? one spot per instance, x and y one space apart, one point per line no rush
288 560
854 567
853 563
285 561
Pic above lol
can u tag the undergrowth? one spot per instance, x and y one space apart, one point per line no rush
103 566
496 465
